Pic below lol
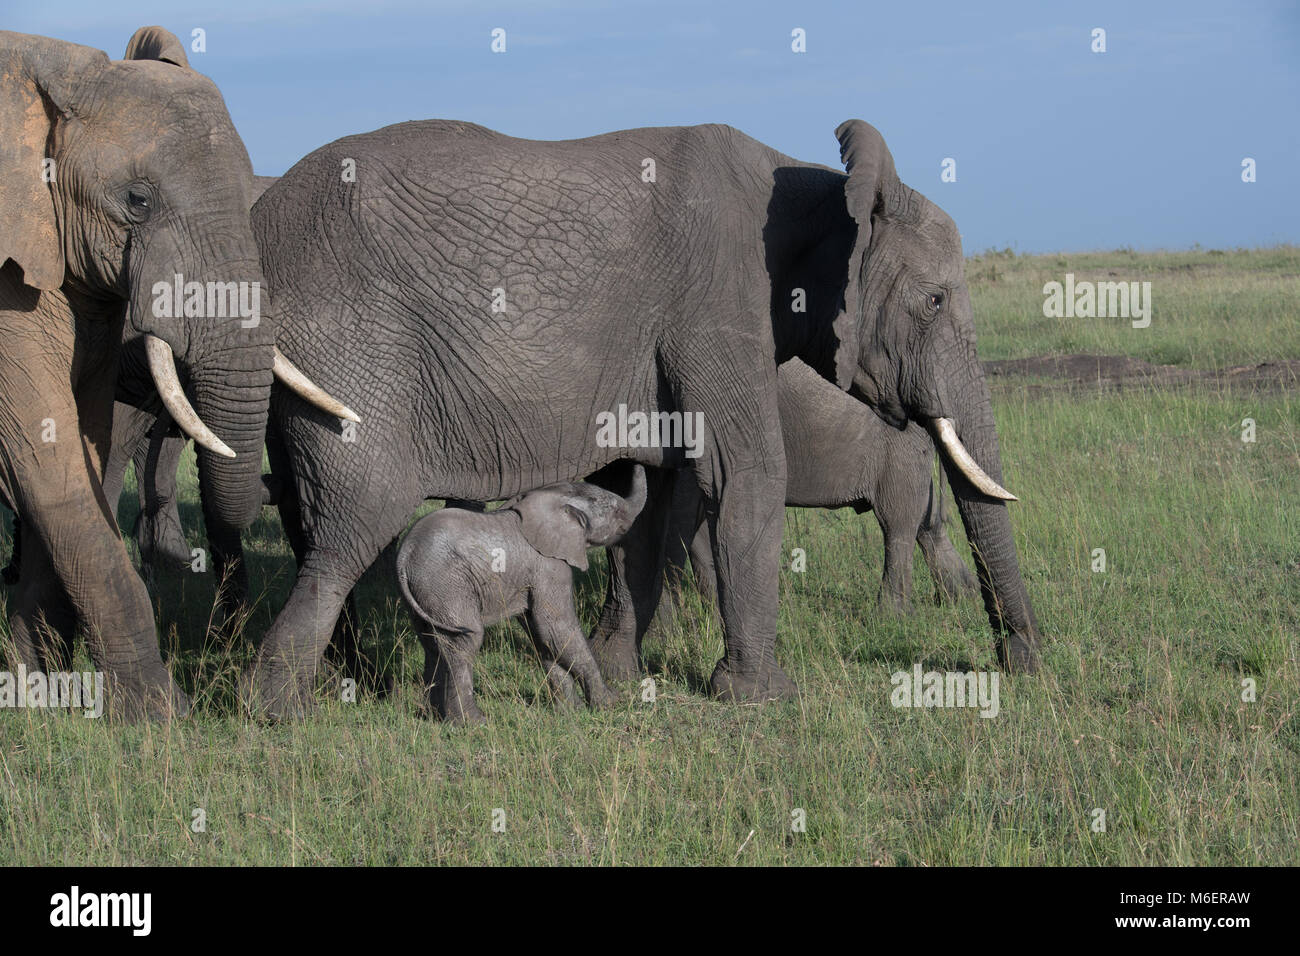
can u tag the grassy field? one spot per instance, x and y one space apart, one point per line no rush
1139 711
1211 308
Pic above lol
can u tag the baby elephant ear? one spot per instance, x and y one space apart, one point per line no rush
552 527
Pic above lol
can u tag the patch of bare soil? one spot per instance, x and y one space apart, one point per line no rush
1116 372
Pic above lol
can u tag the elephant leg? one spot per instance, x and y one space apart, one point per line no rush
556 628
42 623
684 524
449 654
344 652
333 553
159 532
130 429
896 583
635 583
741 470
563 688
899 509
66 517
52 476
746 530
700 549
280 681
952 578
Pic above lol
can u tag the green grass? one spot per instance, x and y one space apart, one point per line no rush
1210 308
1138 711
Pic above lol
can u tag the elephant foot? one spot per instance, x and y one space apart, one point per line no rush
470 717
463 715
273 695
769 683
891 602
161 545
1018 654
616 657
133 701
563 689
954 586
601 697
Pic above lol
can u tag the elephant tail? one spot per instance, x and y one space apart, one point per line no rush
404 589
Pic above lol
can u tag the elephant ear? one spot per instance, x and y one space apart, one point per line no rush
552 526
155 43
38 77
870 166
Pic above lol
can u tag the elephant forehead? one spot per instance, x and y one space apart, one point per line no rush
940 232
149 94
929 246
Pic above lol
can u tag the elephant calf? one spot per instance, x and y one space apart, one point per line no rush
460 571
839 454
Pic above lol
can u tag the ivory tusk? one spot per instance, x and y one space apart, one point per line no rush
957 453
162 366
293 379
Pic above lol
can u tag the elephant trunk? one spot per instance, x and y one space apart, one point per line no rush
232 391
636 500
988 526
198 306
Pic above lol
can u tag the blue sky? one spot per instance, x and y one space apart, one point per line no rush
1056 147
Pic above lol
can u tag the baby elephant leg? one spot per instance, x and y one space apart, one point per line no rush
561 681
567 656
449 654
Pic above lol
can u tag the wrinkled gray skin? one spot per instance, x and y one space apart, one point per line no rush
667 296
143 434
461 571
839 454
151 180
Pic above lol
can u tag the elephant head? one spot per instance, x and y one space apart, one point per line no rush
124 185
565 519
905 344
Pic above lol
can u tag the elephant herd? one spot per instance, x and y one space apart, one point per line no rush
447 312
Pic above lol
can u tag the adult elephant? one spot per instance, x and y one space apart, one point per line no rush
117 177
482 300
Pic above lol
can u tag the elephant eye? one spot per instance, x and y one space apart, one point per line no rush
139 201
936 299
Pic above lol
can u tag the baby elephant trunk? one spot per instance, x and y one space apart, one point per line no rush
635 501
608 515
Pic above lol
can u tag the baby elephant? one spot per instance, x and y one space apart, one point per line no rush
462 570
